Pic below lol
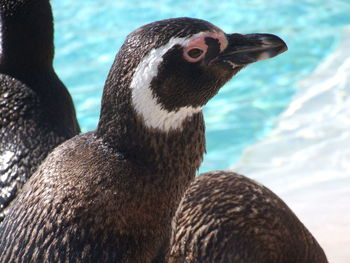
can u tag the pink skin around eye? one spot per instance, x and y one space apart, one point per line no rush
199 42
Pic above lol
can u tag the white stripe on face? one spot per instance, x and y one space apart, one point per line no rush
145 103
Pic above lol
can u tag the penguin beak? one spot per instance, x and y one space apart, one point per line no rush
245 49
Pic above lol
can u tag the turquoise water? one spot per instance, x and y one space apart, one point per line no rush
89 33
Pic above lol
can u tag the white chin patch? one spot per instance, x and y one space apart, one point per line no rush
146 105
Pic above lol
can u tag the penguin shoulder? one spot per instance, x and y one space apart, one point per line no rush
82 173
73 196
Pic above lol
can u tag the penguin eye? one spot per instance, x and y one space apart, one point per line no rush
195 53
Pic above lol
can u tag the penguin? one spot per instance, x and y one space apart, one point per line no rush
228 218
36 110
109 195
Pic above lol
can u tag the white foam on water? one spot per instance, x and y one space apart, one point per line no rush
306 159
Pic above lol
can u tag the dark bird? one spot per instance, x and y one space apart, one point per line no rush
110 195
228 218
36 110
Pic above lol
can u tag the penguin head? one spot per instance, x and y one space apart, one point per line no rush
26 36
178 64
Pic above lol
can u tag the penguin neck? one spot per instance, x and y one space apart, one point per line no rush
26 38
123 129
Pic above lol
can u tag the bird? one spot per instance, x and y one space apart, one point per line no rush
109 195
36 110
226 217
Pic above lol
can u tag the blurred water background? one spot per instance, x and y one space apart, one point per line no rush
279 121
